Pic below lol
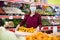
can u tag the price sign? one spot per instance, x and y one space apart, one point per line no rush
10 17
54 29
22 17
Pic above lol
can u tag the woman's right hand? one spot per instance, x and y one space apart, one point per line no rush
37 29
17 27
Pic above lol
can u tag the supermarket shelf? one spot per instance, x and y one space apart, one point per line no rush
52 25
49 27
4 16
47 15
19 16
37 3
50 17
44 28
10 14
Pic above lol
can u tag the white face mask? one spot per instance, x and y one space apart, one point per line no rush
5 3
33 9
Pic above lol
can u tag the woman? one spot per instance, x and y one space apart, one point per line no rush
32 19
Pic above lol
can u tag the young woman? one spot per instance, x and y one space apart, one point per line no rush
32 19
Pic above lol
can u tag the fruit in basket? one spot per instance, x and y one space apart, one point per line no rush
56 35
40 36
23 29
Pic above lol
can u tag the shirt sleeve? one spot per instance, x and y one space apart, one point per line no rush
23 21
40 21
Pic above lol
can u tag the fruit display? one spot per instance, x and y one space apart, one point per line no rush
45 22
42 12
41 36
56 34
23 29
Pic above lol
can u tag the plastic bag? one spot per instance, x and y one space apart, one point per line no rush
7 35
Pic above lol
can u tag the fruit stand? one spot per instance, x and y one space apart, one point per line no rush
27 34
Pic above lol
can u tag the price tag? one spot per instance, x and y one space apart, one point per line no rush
49 18
5 3
54 29
56 10
22 17
10 17
54 17
49 28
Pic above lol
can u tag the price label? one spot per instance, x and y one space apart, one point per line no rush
42 28
49 18
49 28
54 17
22 17
10 17
54 29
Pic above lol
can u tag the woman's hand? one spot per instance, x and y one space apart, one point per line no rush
17 27
37 29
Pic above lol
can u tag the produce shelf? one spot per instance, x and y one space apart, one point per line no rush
19 16
4 16
50 17
38 3
44 28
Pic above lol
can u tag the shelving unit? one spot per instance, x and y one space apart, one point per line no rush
44 28
4 16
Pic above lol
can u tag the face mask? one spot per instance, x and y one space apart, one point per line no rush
33 9
5 3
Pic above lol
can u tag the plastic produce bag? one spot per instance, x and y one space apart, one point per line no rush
22 38
7 35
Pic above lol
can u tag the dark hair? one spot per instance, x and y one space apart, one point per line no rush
1 22
28 11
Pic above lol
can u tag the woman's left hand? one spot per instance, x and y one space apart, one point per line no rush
37 29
